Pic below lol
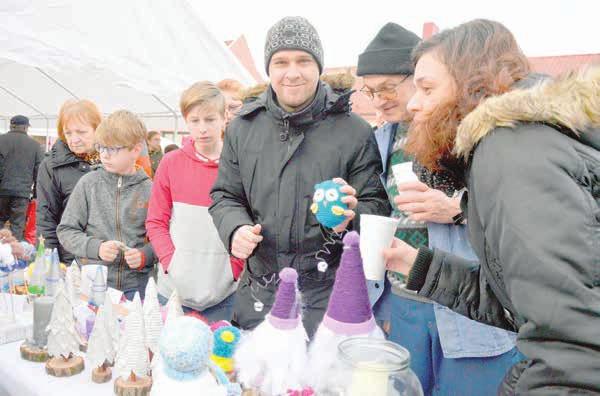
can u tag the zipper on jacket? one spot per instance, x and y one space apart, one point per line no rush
118 226
285 135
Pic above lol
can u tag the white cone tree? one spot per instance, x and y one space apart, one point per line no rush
132 356
152 318
100 345
63 339
73 283
174 309
111 322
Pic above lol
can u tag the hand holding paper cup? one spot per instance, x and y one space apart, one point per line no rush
376 234
403 173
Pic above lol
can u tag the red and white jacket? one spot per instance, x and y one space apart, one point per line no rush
192 257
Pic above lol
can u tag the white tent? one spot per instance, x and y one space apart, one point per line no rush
136 54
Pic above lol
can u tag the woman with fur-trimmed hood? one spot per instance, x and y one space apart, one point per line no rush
530 158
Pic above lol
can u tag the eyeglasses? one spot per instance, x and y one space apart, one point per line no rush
388 93
108 150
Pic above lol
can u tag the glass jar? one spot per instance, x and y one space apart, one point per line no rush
377 367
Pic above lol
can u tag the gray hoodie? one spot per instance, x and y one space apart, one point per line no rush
105 206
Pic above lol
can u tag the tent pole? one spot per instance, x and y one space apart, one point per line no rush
171 111
57 83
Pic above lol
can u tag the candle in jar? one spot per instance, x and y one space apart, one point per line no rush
42 311
368 381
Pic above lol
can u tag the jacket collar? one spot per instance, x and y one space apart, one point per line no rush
127 180
61 155
326 101
569 103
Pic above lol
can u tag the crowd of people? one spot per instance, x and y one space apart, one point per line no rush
493 280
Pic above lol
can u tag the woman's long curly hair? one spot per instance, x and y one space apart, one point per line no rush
485 60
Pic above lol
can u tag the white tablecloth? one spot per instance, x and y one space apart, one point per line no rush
20 377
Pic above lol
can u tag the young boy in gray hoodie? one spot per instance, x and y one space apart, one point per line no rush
103 222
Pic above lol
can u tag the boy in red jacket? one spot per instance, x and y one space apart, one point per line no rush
193 260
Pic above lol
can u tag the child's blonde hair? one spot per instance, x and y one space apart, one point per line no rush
202 93
121 128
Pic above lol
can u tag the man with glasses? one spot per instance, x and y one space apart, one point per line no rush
386 68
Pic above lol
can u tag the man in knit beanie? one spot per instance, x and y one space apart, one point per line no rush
298 133
386 69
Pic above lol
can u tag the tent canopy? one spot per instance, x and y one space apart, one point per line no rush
136 54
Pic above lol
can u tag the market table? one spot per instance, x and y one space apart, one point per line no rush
20 377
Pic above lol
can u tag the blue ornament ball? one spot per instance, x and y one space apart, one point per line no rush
327 204
185 345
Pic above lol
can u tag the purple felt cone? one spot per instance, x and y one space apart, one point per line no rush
349 301
285 306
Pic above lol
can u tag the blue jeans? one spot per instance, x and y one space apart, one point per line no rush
413 326
221 311
130 293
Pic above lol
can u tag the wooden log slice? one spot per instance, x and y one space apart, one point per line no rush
140 387
59 367
33 353
100 376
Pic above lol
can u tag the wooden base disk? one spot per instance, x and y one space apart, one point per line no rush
59 367
141 387
33 353
232 376
101 376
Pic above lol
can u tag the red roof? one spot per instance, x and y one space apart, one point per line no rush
556 65
552 65
239 48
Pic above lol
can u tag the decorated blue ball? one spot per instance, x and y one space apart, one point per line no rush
327 204
185 346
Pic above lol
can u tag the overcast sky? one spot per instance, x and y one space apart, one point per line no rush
550 27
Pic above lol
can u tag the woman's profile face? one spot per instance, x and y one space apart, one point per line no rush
434 87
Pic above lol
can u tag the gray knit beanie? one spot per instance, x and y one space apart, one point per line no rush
293 33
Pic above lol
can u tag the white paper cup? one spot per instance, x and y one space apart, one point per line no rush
88 273
376 234
403 173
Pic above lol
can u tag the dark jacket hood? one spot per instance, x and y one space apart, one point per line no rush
61 155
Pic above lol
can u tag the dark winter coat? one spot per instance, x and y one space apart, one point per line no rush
534 220
270 163
20 158
57 177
